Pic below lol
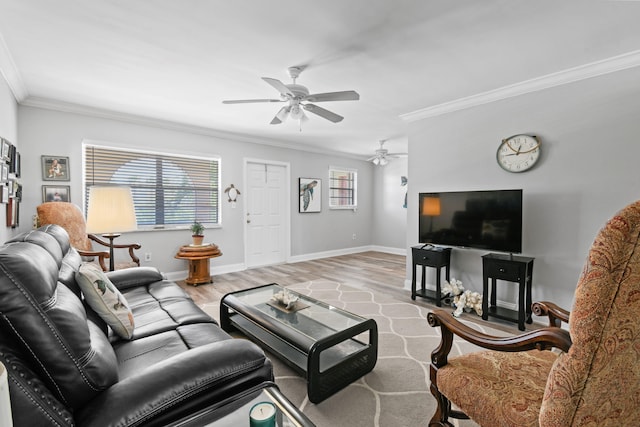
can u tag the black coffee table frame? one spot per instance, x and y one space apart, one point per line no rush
330 358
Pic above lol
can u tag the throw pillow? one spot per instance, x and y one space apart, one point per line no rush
105 299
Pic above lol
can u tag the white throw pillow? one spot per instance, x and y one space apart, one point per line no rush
105 299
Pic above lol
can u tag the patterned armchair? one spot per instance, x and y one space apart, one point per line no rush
594 380
70 217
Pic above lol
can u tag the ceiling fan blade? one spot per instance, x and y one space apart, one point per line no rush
281 116
371 158
279 86
247 101
332 117
347 95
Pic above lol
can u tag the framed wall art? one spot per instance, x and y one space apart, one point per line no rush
310 190
4 172
4 149
13 213
55 193
55 168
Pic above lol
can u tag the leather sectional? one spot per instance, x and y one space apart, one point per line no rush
67 367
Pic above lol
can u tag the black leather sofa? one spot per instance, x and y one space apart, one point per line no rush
66 367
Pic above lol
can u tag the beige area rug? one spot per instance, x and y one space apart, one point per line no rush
396 393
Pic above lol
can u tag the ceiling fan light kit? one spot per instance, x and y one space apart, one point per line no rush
298 99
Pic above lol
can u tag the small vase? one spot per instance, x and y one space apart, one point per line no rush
197 240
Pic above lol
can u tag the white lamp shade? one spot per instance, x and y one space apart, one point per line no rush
110 210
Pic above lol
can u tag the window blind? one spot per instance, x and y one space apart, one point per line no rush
169 190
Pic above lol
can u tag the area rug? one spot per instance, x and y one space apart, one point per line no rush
396 393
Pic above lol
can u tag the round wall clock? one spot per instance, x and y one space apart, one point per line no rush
518 153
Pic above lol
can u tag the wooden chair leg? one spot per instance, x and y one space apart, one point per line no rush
441 416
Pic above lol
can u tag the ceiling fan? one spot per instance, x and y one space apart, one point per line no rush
298 99
383 155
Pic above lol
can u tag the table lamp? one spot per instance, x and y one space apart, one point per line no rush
110 212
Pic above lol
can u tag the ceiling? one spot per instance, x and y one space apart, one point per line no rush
175 62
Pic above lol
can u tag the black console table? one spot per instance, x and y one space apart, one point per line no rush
512 269
429 256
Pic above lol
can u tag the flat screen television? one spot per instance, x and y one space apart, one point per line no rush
490 220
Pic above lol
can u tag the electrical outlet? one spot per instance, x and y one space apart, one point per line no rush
147 256
354 236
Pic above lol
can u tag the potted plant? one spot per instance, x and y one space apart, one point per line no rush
196 233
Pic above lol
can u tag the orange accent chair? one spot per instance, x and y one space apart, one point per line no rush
70 217
592 378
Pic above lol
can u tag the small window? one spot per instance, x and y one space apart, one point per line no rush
343 185
169 190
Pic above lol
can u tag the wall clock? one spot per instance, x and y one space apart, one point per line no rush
518 153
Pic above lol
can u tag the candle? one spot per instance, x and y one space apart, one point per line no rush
262 414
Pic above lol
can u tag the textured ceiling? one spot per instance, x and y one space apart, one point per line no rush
177 61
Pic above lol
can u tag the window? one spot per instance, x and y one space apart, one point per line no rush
343 186
169 190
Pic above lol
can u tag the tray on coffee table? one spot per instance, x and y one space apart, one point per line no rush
329 346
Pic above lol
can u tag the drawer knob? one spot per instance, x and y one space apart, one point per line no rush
501 270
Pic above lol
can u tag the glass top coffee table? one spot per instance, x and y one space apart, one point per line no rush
329 346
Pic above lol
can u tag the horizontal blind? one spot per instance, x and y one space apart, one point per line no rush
168 189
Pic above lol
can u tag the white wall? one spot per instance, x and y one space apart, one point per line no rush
588 171
46 132
389 217
9 131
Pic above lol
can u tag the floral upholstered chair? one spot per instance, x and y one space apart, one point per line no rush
594 380
70 217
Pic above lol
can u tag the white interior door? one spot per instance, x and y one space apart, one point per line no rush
266 216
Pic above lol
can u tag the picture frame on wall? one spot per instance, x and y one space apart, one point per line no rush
4 197
56 193
13 213
4 149
310 192
4 172
55 168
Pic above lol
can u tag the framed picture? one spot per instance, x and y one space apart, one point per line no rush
4 174
13 213
5 149
55 168
12 158
17 167
4 197
55 193
310 195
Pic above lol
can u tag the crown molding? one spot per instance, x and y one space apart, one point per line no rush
570 75
67 107
11 74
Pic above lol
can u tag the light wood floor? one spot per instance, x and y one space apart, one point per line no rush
375 270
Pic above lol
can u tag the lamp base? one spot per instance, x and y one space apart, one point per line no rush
111 236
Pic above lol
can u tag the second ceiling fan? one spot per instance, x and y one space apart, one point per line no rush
298 99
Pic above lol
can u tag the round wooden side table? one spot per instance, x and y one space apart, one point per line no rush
198 257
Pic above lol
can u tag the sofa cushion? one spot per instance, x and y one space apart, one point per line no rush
162 306
103 297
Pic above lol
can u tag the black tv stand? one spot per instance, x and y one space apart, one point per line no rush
429 256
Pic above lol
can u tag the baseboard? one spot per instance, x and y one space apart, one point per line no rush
346 251
217 269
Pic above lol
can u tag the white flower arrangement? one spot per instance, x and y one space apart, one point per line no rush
463 300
